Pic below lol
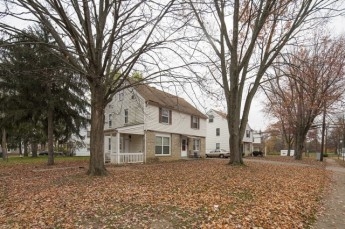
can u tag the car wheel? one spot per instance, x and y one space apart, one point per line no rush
206 155
221 155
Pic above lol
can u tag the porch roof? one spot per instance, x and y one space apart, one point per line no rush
135 129
192 137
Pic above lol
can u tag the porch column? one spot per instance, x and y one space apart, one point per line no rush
118 148
104 147
111 146
144 154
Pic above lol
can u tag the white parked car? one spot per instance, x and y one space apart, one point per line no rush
218 153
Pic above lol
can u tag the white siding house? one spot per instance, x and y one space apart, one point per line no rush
257 143
218 133
143 123
82 147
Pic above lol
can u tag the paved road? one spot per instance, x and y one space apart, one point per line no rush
333 214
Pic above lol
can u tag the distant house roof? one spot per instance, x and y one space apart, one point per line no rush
223 115
163 99
220 113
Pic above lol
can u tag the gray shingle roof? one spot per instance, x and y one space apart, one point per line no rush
163 99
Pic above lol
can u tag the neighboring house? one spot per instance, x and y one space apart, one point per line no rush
218 133
143 123
82 147
257 143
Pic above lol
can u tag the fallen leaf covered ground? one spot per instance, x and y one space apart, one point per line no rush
183 194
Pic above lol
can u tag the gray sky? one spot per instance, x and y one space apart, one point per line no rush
257 119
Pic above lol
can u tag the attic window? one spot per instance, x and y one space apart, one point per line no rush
210 118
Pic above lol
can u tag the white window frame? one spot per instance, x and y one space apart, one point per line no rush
166 115
210 118
110 118
217 145
162 136
195 122
248 133
217 131
121 95
126 116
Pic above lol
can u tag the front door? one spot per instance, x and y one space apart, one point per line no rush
184 147
126 148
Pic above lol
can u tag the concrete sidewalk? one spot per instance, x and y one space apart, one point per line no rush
333 214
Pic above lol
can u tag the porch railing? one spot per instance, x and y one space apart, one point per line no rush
127 158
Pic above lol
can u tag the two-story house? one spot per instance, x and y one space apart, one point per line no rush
143 123
218 133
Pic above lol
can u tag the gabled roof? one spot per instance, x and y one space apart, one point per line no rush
223 115
163 99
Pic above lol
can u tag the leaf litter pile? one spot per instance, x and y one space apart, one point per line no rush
184 194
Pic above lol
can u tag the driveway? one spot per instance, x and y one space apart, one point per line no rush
333 213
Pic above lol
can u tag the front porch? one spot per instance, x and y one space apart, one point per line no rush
125 145
134 145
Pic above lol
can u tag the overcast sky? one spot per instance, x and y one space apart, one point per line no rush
257 119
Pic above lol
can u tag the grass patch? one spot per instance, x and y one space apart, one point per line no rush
40 160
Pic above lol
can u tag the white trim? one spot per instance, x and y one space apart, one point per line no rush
163 136
118 147
145 146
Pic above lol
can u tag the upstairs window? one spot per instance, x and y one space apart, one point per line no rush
218 132
195 122
210 118
248 133
121 95
126 115
165 115
110 122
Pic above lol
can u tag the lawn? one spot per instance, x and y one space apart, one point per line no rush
183 194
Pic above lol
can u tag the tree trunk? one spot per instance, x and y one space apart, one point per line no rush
4 144
323 134
34 147
96 167
26 153
299 143
20 148
50 136
235 140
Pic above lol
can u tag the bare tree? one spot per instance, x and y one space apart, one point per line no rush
278 105
103 40
246 37
311 82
